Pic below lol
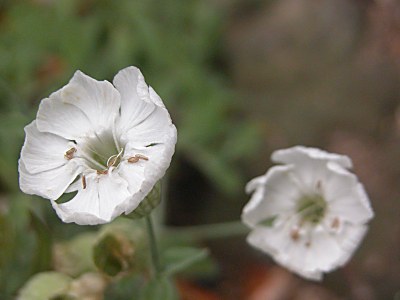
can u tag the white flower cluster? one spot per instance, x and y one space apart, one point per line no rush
310 213
110 144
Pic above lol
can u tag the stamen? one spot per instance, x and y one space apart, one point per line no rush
133 159
70 153
114 158
312 208
102 172
137 157
115 139
319 186
84 181
335 223
87 157
295 234
141 156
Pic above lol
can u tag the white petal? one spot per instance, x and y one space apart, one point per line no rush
276 194
324 254
49 184
144 174
346 196
284 250
155 98
137 103
43 151
66 120
82 107
255 183
300 155
98 203
156 128
349 240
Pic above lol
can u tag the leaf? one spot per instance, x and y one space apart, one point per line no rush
44 285
43 256
181 258
160 288
75 256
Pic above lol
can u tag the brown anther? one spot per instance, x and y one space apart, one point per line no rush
308 244
133 159
112 161
70 153
102 172
136 158
319 185
84 181
335 223
294 234
141 156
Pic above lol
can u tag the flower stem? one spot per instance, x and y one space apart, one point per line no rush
153 246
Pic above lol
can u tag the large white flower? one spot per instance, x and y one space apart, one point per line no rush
109 144
309 214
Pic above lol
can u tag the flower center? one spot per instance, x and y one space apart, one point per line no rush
102 151
312 208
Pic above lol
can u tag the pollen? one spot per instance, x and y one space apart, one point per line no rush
70 153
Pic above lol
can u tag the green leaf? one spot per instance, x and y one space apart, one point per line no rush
44 285
181 258
43 256
75 256
160 288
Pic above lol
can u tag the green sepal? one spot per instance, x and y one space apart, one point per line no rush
150 202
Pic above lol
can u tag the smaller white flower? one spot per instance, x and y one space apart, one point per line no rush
309 214
109 143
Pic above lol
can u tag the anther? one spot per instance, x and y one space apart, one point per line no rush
319 185
84 181
136 158
335 223
112 160
294 234
70 153
141 156
102 172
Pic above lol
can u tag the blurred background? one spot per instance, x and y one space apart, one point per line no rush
240 78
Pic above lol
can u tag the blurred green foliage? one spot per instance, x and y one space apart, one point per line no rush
175 44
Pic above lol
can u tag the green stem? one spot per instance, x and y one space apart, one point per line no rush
209 231
153 246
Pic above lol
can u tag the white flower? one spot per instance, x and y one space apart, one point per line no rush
309 214
109 144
